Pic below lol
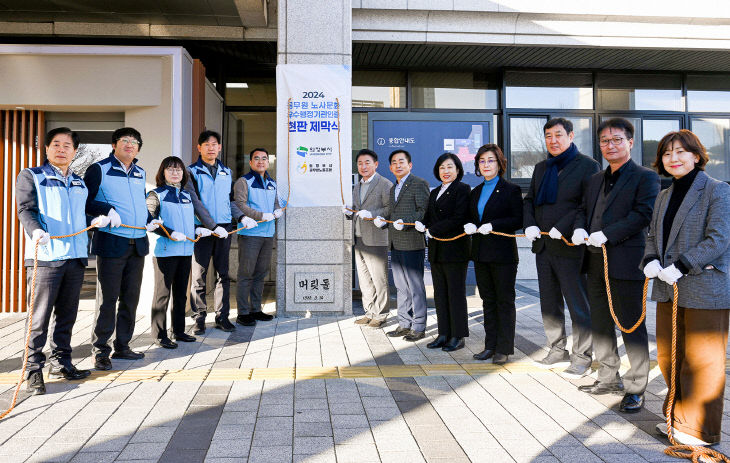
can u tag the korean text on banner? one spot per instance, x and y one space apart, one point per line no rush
310 97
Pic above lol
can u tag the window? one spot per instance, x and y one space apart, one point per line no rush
645 92
714 133
379 89
454 90
653 131
560 90
709 93
527 145
246 131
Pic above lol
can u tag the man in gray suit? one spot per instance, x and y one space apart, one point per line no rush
407 203
556 190
370 197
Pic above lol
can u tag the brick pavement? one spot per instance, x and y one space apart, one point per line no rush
323 390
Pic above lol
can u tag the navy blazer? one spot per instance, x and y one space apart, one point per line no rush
504 212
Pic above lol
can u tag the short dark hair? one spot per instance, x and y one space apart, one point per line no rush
127 132
366 152
171 161
205 135
65 131
567 125
445 157
617 123
250 155
689 141
501 160
408 155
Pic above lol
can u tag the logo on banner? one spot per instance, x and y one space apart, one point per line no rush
302 168
381 141
302 151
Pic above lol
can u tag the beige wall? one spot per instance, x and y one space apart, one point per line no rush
213 108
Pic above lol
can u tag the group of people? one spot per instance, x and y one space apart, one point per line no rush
572 210
192 214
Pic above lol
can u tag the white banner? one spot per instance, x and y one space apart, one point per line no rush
314 117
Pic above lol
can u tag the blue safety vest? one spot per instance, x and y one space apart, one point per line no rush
126 193
176 212
215 194
262 197
62 211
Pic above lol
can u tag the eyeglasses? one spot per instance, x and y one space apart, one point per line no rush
174 170
129 141
484 162
615 141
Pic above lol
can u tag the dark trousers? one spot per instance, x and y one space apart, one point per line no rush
171 275
700 372
626 297
219 250
57 291
119 279
559 277
254 257
407 269
496 284
449 294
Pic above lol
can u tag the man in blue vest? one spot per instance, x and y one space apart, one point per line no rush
117 191
211 189
51 201
257 197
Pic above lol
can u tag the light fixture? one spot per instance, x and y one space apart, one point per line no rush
236 85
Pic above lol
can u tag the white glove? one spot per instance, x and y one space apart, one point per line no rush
485 229
597 239
470 229
346 210
278 213
579 237
379 222
248 222
202 232
268 217
114 219
532 233
652 269
398 224
365 214
41 237
100 221
153 225
555 233
220 232
670 275
420 227
177 236
428 234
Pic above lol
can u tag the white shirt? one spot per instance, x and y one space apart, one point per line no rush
444 187
399 185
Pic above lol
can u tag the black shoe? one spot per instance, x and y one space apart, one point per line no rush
224 324
264 317
199 327
246 320
398 332
500 359
183 337
70 373
414 336
453 344
631 403
598 388
439 342
484 355
127 354
35 384
167 343
102 363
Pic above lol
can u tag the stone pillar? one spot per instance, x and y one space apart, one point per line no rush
314 239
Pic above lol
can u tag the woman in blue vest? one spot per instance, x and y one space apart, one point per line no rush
172 256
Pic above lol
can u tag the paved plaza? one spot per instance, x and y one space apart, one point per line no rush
323 390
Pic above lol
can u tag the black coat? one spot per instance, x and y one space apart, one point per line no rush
625 218
445 218
504 212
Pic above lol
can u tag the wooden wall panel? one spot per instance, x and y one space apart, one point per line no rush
21 146
198 111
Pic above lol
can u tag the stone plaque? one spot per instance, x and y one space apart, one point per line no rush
314 287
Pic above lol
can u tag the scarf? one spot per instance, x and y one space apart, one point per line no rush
548 191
